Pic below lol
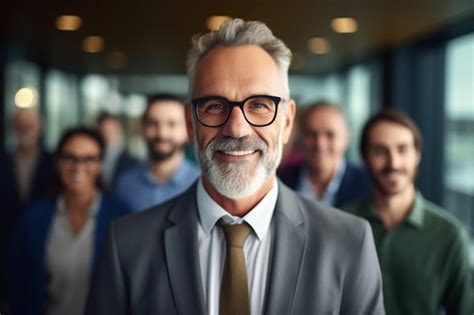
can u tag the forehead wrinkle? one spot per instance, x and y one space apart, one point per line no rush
237 91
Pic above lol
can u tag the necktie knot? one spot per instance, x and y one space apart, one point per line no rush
235 234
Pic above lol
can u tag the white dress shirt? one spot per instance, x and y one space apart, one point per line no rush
257 247
69 261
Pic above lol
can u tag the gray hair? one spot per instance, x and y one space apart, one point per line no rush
238 32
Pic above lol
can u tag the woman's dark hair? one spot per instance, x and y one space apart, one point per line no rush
80 131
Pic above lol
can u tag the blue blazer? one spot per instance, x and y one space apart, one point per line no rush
26 275
355 183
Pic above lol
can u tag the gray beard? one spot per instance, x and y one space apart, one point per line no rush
236 180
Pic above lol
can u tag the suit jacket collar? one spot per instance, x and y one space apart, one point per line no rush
182 255
288 253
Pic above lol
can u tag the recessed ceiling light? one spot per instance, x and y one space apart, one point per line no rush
25 97
93 44
68 22
344 25
214 22
116 60
318 45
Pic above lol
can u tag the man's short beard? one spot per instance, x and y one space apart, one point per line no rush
236 180
159 156
379 186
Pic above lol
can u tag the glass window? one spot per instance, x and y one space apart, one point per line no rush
362 99
62 106
459 132
358 106
333 89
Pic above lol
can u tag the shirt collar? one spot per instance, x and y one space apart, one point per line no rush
336 180
417 212
93 208
258 218
329 194
415 217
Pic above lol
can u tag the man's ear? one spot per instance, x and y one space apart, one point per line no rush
418 157
189 123
288 120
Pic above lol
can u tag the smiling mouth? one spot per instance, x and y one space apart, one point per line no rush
237 156
238 153
393 175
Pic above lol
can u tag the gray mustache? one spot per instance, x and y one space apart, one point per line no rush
238 144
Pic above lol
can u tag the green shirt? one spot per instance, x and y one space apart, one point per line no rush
424 261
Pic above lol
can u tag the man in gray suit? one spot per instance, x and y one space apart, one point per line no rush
238 241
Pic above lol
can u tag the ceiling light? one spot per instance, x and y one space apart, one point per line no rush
214 22
68 22
318 45
344 25
25 98
116 59
93 44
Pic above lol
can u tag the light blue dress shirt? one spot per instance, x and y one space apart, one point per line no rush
139 190
306 189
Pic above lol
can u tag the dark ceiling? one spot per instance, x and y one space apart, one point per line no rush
154 35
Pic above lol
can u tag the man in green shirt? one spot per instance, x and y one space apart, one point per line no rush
423 251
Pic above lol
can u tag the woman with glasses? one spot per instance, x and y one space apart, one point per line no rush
55 248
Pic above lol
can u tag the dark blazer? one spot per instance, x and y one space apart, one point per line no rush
355 183
323 262
43 178
11 206
123 163
26 260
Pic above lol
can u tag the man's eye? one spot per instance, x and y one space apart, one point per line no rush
378 151
403 149
214 108
259 106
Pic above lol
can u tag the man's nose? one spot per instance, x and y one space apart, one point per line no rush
236 126
161 130
394 160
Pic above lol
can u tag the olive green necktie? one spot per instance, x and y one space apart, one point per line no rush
234 299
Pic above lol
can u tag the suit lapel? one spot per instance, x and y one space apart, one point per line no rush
182 255
288 253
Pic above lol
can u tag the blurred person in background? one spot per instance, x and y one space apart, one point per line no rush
167 172
116 158
422 249
53 250
325 174
292 151
25 174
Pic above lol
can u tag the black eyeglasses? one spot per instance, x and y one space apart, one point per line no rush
70 160
258 110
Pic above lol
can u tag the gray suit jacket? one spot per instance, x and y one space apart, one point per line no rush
324 262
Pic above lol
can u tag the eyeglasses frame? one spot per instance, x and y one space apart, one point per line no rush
196 101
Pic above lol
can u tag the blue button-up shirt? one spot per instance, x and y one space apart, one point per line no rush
139 190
